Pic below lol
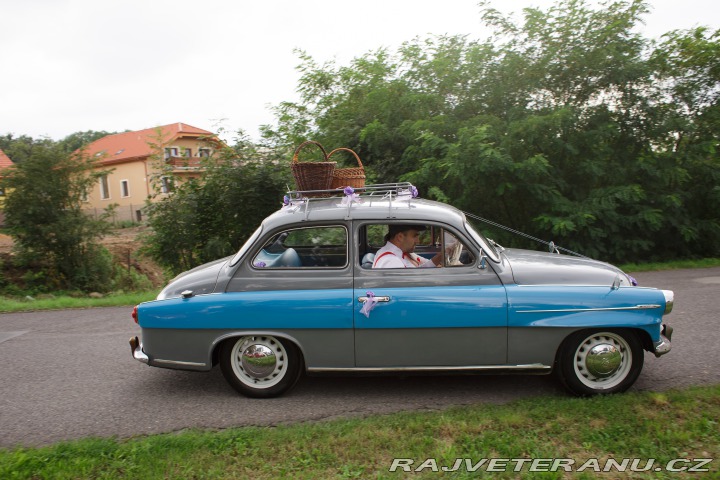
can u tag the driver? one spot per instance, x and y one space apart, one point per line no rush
398 250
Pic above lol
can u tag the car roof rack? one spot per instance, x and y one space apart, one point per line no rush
404 191
375 190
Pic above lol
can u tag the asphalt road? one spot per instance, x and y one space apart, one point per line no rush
68 374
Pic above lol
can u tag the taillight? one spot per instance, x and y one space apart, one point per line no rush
135 314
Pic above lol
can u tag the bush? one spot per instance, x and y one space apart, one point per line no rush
130 280
211 218
51 233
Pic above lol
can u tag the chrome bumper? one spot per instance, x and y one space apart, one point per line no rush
137 351
662 346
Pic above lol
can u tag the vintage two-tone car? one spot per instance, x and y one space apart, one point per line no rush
301 295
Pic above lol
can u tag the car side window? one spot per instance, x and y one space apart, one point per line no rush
312 247
376 236
431 241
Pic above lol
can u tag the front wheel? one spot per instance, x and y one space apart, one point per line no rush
602 362
260 366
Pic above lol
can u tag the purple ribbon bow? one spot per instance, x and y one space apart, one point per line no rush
350 196
369 304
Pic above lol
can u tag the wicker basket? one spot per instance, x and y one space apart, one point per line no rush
348 177
312 175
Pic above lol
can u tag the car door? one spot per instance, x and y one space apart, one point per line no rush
298 283
452 316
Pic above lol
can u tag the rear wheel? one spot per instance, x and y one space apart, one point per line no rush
260 366
601 362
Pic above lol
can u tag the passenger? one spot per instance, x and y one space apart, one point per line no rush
398 250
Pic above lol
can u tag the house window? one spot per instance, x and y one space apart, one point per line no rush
124 188
187 152
104 188
203 152
171 152
166 185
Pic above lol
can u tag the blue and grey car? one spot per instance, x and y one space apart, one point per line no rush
301 296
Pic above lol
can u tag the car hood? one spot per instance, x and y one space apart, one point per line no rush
542 268
199 280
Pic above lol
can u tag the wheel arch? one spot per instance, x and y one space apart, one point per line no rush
642 335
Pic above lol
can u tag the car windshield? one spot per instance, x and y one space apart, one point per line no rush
246 246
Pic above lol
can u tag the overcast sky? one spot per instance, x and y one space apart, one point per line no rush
76 65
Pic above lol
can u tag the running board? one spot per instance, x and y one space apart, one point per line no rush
533 367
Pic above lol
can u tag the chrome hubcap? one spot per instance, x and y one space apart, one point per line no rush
259 361
603 360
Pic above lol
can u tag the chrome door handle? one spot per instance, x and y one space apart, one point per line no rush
379 299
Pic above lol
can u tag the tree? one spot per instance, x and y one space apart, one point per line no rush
568 125
77 140
686 130
19 148
44 215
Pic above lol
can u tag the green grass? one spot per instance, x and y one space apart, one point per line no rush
661 426
22 304
651 267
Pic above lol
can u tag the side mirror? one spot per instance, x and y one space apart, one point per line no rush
483 262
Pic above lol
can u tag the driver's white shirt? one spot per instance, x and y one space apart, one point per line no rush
390 256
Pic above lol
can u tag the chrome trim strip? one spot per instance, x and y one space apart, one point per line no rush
636 307
575 285
532 366
176 362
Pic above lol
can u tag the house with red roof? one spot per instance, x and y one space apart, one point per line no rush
145 164
5 163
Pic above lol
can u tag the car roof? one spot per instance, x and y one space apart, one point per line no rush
385 209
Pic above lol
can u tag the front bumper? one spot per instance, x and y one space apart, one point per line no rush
662 346
137 351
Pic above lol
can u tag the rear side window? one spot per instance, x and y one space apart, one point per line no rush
312 247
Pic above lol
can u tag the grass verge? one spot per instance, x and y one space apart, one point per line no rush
666 426
14 304
651 267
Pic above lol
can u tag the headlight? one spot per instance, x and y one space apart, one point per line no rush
669 301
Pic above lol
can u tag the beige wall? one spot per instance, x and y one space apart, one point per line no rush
139 176
135 177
